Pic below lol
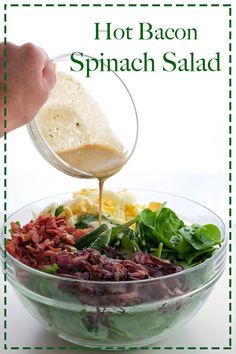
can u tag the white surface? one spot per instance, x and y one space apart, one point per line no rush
182 146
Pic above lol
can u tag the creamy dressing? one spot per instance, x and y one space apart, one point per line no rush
100 161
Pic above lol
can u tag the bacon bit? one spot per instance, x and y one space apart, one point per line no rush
25 237
79 233
34 236
42 238
11 249
70 248
51 232
31 249
51 252
69 239
14 227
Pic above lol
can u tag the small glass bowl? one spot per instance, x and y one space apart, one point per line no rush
110 315
115 100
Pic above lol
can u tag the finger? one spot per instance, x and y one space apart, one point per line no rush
45 57
49 75
35 56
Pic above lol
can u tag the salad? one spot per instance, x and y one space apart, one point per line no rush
109 277
134 242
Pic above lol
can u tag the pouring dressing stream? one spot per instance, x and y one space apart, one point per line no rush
98 160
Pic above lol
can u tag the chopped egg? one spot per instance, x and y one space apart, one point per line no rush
83 205
119 207
154 206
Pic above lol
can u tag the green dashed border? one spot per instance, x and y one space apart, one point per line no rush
5 169
230 187
119 5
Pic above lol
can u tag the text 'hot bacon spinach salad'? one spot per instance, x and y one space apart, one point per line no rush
97 282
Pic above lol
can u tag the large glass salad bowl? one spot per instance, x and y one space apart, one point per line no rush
106 314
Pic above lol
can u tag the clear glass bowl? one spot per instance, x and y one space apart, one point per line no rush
116 102
108 315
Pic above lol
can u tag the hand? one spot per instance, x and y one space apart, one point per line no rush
30 78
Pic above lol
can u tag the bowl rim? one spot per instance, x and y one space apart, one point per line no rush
216 255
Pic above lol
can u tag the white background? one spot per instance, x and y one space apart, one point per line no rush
183 141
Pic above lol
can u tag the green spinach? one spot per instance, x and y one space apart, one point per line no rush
85 221
102 240
160 232
92 236
59 210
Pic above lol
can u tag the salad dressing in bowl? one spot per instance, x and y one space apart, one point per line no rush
98 160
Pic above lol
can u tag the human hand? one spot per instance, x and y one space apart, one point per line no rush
30 78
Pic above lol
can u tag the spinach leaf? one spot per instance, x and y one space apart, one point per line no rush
196 257
191 239
201 237
102 240
147 229
42 286
162 226
209 235
167 222
178 243
119 229
129 233
139 236
168 225
128 247
175 240
59 210
160 238
127 324
84 221
91 236
194 228
148 218
158 212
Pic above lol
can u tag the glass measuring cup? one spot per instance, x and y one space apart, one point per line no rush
115 100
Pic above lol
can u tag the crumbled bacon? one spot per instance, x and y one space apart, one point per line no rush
40 240
49 240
